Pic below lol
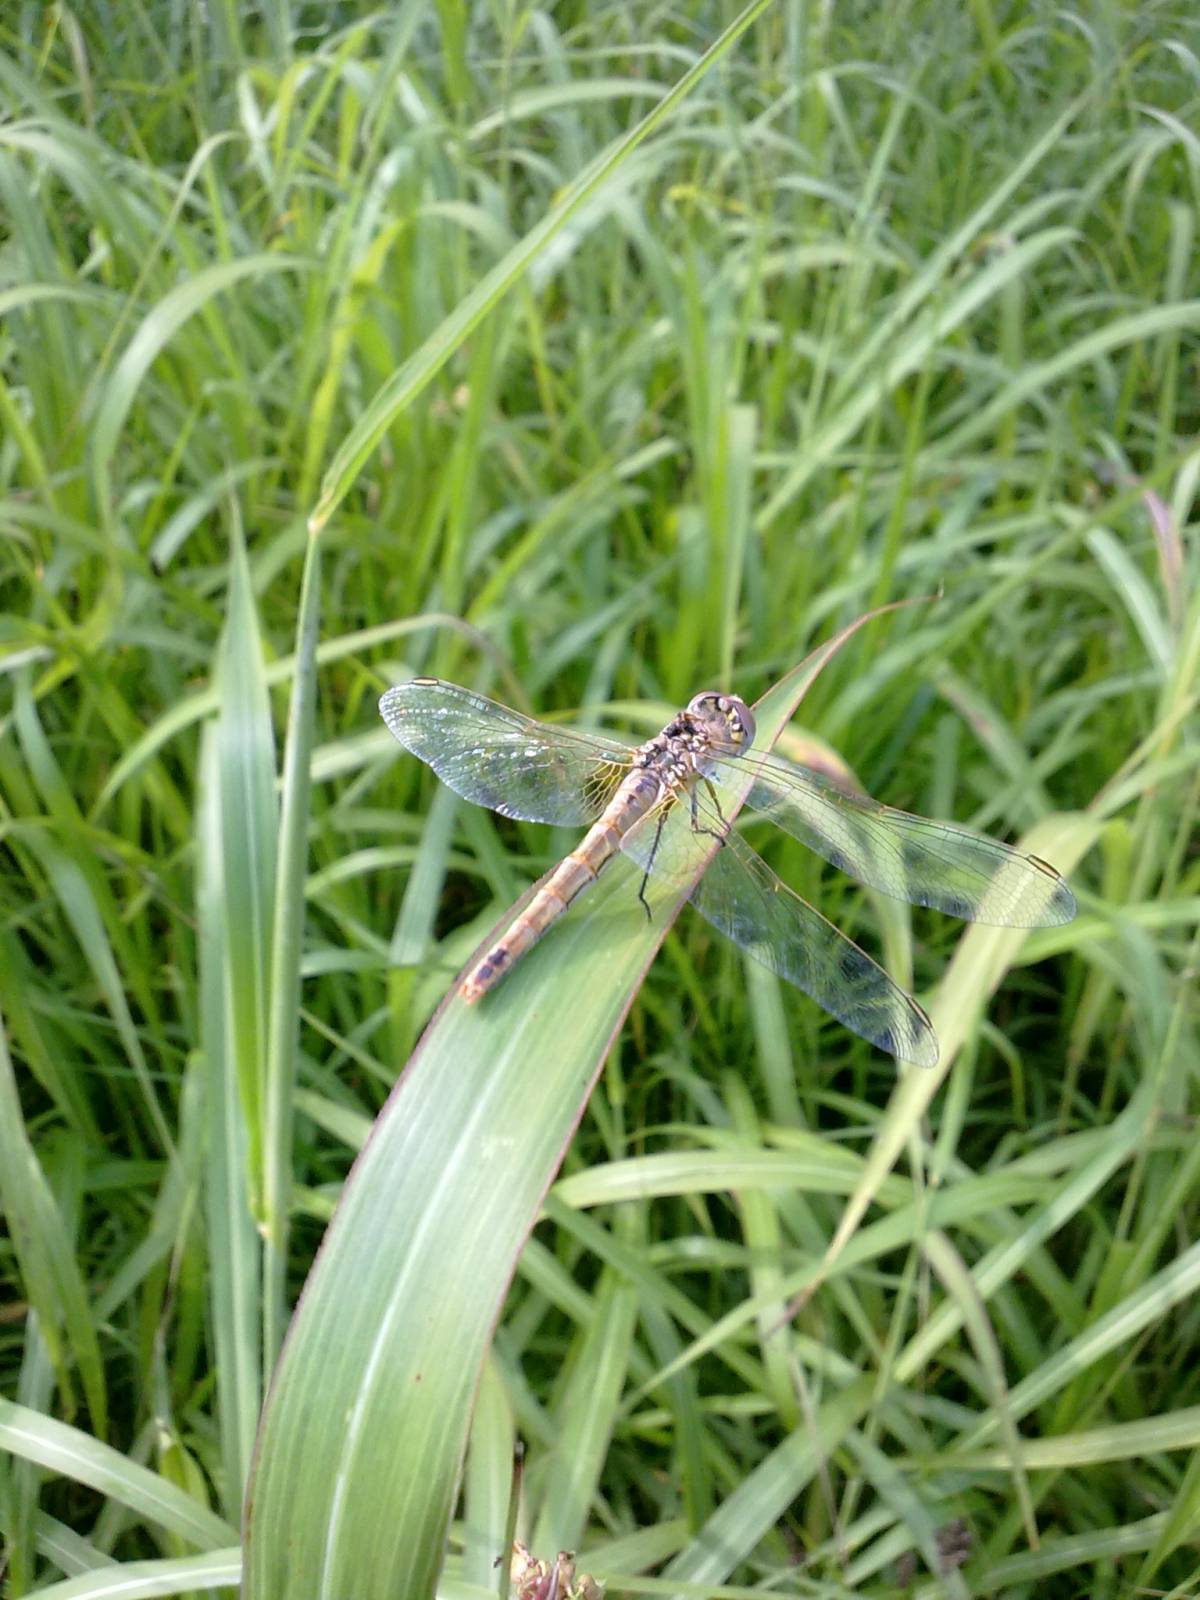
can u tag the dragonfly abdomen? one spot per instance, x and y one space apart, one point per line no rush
574 873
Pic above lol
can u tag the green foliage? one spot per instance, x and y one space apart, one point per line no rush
594 411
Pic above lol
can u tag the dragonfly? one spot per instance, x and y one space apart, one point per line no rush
668 805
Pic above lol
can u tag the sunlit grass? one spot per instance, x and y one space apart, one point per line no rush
895 303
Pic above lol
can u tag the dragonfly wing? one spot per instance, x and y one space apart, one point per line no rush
742 898
912 858
497 758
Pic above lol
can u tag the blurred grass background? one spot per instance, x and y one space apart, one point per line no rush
901 300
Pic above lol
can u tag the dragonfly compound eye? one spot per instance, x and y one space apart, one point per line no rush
732 715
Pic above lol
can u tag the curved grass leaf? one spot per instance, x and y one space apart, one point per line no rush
42 1245
35 1437
159 327
142 1580
400 389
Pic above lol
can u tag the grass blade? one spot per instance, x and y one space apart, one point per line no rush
76 1455
287 945
379 1371
403 387
235 1246
42 1244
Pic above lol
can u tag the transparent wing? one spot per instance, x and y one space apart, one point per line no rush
497 758
743 899
911 858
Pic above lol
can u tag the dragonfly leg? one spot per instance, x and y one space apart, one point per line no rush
662 817
713 833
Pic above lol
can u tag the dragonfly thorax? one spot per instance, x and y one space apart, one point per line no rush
670 756
713 724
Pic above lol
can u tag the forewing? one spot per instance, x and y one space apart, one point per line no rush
497 758
740 895
912 858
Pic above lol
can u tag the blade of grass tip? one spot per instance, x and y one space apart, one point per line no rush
287 943
359 1452
401 389
49 1271
249 842
740 431
983 956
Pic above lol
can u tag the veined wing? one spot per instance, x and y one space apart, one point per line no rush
743 899
912 858
497 758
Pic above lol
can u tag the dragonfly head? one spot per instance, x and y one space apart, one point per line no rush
728 721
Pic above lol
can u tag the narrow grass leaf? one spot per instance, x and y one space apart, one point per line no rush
287 944
42 1244
245 777
1173 1286
488 1478
1120 1441
72 1454
143 1580
591 1384
744 1518
957 1278
1099 1548
74 894
897 1489
1038 376
906 354
206 702
152 337
234 1243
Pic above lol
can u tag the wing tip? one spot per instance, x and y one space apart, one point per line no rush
919 1045
1059 905
1062 905
924 1052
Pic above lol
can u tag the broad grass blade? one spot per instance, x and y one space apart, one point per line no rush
363 1435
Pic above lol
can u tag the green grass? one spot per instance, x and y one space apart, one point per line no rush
891 302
